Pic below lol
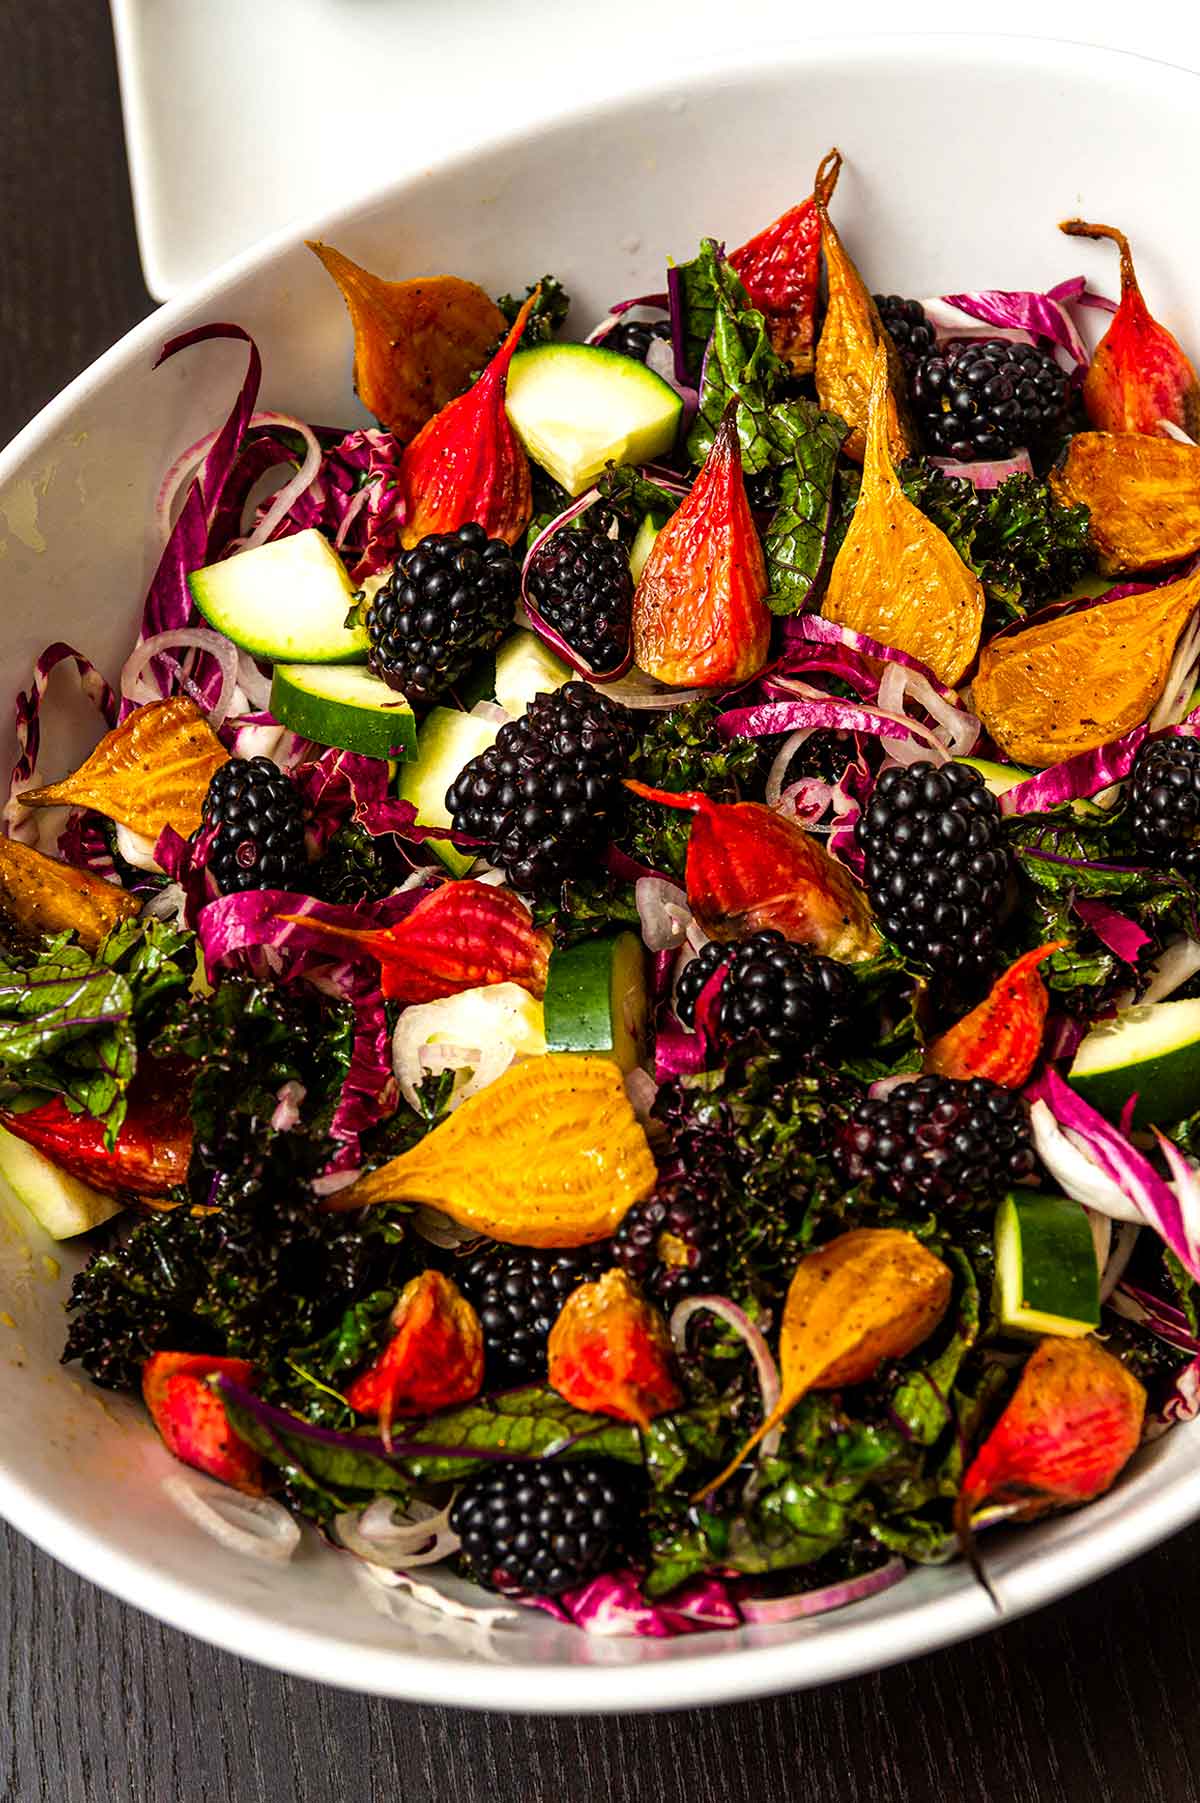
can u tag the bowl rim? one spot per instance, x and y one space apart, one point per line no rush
845 1644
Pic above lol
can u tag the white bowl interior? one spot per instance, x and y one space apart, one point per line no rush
961 157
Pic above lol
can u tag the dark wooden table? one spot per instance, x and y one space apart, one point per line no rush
1092 1700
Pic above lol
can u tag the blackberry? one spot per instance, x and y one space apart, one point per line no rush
447 602
543 797
673 1243
695 975
518 1295
1164 803
936 866
538 1528
581 583
634 338
987 398
908 328
935 1142
257 819
782 994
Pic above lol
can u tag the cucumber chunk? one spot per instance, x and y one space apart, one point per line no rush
576 407
348 708
58 1202
1046 1275
1153 1052
999 778
447 740
642 545
286 601
525 668
596 999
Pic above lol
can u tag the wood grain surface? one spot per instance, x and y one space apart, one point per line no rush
1094 1699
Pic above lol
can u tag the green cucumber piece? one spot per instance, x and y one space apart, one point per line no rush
58 1202
596 999
1047 1280
525 668
999 778
576 407
643 544
349 708
1153 1052
446 742
286 601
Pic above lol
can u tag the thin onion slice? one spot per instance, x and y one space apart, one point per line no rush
383 1536
254 1525
663 913
639 691
254 685
642 1091
773 792
765 1368
1177 691
136 687
285 499
1123 1243
765 1610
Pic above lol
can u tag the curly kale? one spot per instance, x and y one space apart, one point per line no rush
762 1135
356 867
548 314
683 750
1022 545
249 1281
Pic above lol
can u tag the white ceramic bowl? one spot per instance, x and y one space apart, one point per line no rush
961 157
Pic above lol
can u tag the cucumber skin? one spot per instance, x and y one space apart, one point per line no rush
578 1000
1175 1094
382 736
1167 1085
582 997
1055 1230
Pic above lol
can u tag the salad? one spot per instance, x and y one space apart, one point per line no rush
619 995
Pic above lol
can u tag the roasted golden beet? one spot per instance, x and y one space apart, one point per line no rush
43 895
849 337
416 342
1074 682
897 577
1143 495
150 772
868 1295
550 1154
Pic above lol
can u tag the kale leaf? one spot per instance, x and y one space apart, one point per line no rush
683 750
549 310
242 1043
762 1135
247 1281
1022 545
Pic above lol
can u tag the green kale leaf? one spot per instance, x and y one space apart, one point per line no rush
1021 544
548 315
683 750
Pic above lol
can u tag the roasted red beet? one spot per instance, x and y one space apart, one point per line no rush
433 1359
468 463
700 614
192 1420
